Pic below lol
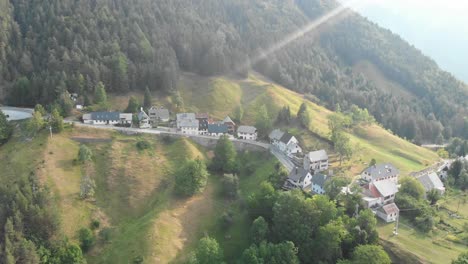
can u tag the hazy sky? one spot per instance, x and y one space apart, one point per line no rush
437 27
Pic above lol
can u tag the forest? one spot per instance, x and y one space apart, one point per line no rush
49 48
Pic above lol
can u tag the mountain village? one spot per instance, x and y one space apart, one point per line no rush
378 184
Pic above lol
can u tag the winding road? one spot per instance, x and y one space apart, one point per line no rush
285 161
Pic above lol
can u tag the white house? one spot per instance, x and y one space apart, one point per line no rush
187 123
316 161
431 181
285 142
298 179
380 172
158 114
380 193
318 183
107 118
144 119
275 136
217 130
247 133
188 126
388 213
442 170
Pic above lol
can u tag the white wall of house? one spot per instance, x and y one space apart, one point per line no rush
247 136
189 130
215 134
317 189
145 123
321 165
368 177
307 180
387 218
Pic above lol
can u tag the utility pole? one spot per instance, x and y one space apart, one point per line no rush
356 213
395 230
50 129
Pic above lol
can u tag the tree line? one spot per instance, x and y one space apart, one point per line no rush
51 47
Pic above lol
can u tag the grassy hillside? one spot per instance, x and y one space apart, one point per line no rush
140 218
221 95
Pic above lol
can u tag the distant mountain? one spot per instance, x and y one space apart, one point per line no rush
441 35
50 47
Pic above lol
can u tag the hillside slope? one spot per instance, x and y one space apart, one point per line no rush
220 96
48 48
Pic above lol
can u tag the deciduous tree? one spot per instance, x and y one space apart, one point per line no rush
191 177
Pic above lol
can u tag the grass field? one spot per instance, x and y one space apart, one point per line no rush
134 197
433 248
219 96
369 141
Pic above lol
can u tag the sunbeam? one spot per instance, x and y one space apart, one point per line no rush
313 25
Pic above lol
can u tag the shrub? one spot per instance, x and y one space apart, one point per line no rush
95 224
87 238
143 144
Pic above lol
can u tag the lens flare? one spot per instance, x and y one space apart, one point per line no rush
309 27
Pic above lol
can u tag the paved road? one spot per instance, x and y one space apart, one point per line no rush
287 163
285 160
14 113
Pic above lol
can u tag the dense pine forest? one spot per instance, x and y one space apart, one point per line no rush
48 48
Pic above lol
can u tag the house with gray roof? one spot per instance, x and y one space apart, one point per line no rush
143 119
217 130
230 124
187 123
158 114
389 212
107 118
275 135
431 181
318 183
247 133
203 121
380 172
285 142
379 193
316 161
298 179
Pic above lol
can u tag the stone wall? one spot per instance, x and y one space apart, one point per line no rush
210 143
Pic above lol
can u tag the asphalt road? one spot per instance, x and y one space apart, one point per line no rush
287 163
14 113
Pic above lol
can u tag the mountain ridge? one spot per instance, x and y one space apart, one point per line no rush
49 48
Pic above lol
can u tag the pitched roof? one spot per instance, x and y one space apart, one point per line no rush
105 116
126 116
389 209
383 170
217 128
227 119
431 181
188 123
182 116
276 134
386 187
319 179
298 174
286 138
142 115
202 116
246 129
317 155
161 113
